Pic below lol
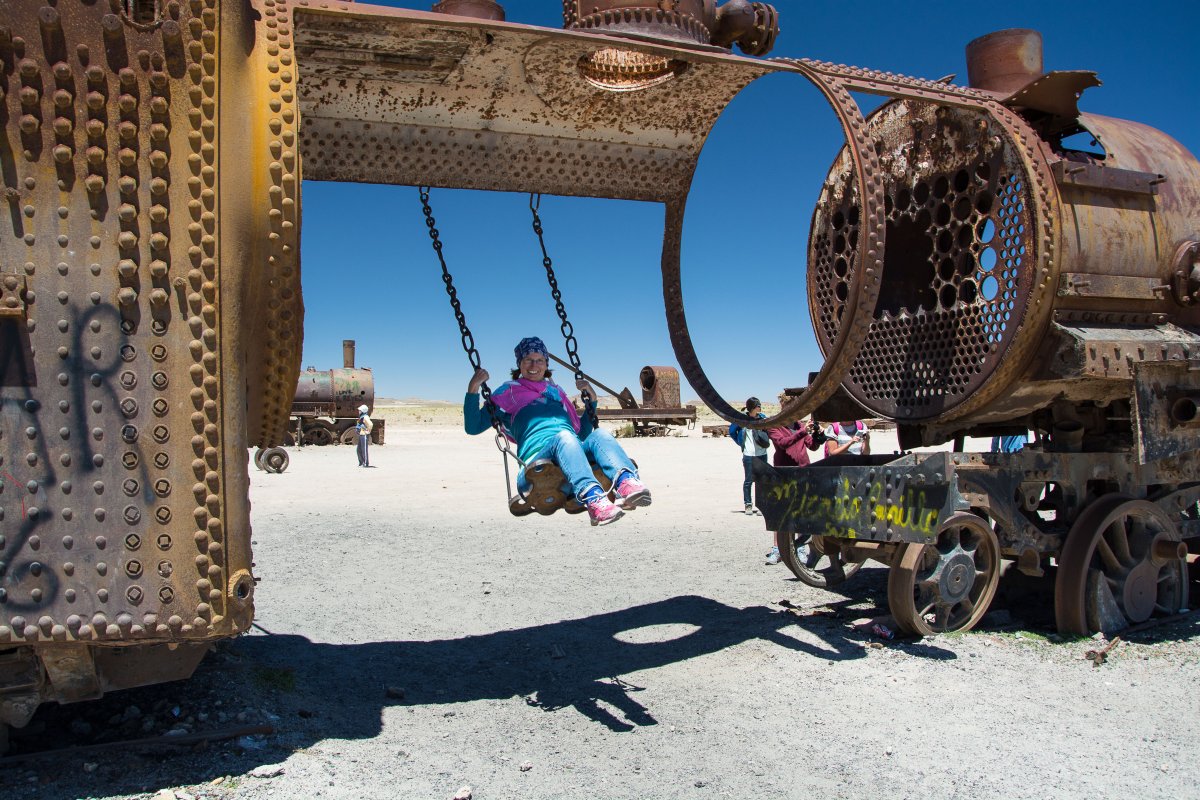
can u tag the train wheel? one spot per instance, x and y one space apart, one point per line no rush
320 436
258 454
275 460
814 560
1123 563
947 585
350 436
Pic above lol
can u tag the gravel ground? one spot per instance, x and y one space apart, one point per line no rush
413 640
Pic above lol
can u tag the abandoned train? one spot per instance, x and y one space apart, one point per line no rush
151 312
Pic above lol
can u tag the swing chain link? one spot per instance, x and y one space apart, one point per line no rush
468 340
568 330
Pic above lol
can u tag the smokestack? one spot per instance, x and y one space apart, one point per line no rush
348 353
1004 61
479 9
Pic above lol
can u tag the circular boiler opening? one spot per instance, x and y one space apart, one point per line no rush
742 270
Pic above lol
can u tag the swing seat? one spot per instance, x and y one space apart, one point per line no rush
549 490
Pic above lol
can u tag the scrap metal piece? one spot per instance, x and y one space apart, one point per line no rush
1106 179
1100 655
12 296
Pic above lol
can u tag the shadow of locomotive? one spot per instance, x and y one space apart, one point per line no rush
311 691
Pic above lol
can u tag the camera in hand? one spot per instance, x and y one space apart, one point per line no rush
818 436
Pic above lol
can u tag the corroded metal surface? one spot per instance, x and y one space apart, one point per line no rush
334 392
660 387
150 305
392 96
150 299
123 482
993 231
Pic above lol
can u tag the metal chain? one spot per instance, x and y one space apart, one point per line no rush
468 341
568 330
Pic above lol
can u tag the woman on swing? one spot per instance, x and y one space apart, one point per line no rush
537 414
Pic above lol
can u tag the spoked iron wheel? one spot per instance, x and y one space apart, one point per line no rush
947 585
319 436
275 460
1122 564
815 560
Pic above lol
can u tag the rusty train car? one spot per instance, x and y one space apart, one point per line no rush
325 407
995 275
151 314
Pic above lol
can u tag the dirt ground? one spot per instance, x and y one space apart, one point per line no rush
414 639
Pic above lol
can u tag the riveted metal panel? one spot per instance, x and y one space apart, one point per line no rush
115 526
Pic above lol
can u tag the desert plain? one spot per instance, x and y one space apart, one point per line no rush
414 640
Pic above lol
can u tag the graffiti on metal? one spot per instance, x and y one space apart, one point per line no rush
894 504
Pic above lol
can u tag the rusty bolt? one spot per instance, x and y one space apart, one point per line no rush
166 594
129 433
128 380
160 407
128 353
133 568
159 380
162 514
129 407
130 460
162 488
130 487
134 595
164 541
133 541
132 514
162 460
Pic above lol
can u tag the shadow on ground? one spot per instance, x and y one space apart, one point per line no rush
313 691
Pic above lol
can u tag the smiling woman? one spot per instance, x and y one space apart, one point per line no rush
567 453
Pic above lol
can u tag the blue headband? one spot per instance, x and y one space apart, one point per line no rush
531 344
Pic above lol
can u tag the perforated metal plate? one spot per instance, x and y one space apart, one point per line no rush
958 264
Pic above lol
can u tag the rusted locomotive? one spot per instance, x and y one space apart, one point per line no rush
151 313
990 276
325 408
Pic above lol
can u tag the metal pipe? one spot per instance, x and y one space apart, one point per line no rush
587 377
1004 61
348 353
1168 550
1184 410
478 9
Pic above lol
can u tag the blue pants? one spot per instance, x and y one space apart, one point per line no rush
363 443
572 456
752 466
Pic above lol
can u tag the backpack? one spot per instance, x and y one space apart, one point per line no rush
859 427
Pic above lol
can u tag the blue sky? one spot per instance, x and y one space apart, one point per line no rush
747 223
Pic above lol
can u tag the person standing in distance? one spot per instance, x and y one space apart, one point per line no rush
754 449
363 426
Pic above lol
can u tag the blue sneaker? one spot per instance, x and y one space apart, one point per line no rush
773 557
